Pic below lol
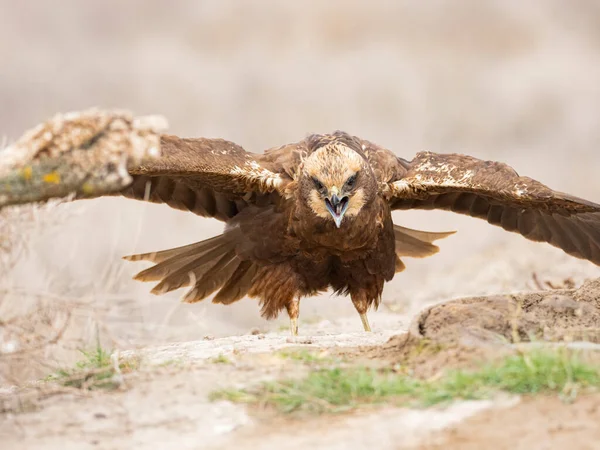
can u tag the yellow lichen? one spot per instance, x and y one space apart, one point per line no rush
26 173
87 188
52 178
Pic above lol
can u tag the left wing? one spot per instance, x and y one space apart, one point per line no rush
495 192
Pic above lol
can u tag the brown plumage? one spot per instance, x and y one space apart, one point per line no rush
316 214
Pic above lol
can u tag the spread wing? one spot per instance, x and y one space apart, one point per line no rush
213 177
95 152
495 192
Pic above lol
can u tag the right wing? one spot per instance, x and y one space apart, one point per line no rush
495 192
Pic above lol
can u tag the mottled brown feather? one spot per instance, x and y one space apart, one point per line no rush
214 177
278 247
495 192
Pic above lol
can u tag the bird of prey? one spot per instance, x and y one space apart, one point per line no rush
317 214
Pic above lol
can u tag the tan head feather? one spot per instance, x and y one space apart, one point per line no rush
332 165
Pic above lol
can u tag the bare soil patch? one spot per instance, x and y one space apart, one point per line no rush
541 422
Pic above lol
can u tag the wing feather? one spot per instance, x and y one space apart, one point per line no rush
495 192
213 177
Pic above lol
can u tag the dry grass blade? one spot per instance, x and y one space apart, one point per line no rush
38 328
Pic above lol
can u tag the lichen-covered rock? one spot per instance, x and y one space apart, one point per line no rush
80 154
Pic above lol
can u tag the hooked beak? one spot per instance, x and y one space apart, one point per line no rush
337 208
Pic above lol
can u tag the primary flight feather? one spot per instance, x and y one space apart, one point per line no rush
316 214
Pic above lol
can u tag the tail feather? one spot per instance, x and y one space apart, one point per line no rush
207 266
192 271
213 265
180 252
214 279
238 285
176 267
399 264
425 236
161 270
415 243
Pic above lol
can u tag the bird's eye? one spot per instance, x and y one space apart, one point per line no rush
350 182
318 184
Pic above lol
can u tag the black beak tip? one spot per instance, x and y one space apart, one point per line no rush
337 207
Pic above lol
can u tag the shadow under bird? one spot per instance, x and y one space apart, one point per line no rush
316 214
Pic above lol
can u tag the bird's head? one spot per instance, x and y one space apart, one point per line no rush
336 181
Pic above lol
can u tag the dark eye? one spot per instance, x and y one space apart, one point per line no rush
350 182
318 184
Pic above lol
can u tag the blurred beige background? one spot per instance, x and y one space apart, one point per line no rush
505 80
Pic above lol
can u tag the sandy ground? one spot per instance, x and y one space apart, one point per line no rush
543 423
503 80
166 401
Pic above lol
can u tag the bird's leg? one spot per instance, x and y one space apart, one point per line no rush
293 310
361 304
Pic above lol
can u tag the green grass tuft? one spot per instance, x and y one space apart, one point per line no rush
94 371
332 390
221 359
307 357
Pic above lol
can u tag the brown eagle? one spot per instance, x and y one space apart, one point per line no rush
316 214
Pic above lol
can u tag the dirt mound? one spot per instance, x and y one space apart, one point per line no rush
560 315
463 332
